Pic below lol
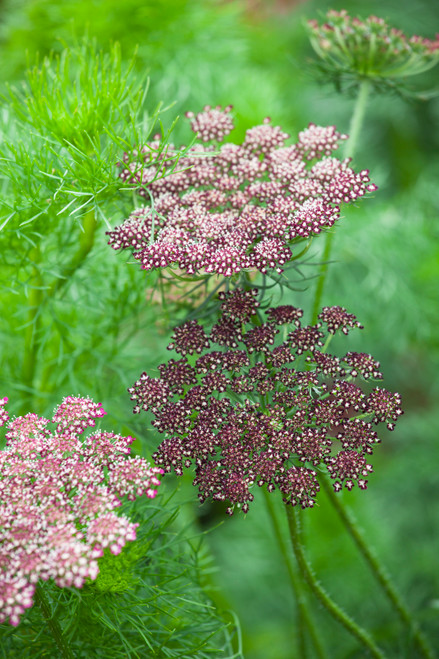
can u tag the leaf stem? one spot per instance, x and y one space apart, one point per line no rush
333 609
303 615
52 623
379 571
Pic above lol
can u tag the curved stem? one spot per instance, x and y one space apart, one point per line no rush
304 617
333 609
86 242
52 623
379 572
351 145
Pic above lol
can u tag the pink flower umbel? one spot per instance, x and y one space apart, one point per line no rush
232 207
244 417
58 494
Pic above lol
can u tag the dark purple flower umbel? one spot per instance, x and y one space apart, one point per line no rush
266 405
232 207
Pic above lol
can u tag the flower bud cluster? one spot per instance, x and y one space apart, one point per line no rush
370 48
231 207
58 494
242 414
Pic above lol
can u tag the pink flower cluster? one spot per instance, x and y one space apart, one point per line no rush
231 207
58 494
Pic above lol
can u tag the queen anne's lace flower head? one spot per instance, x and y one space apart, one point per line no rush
245 415
232 207
58 496
352 50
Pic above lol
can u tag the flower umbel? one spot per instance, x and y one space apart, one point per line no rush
232 207
353 50
244 416
58 496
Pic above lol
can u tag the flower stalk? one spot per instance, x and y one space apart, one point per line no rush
304 619
379 572
357 118
31 337
355 127
333 609
52 623
39 295
86 242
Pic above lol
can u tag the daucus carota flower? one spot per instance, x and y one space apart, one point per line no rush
232 207
353 50
58 496
243 415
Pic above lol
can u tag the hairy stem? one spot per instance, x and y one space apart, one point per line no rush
52 623
303 615
379 572
333 609
351 145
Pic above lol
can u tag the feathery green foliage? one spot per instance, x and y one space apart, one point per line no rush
146 601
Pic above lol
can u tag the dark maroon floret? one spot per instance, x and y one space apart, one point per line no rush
239 305
284 315
189 338
338 318
363 364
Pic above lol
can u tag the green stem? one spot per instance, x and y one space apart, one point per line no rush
303 617
52 623
86 242
333 609
38 296
351 145
32 331
379 572
357 119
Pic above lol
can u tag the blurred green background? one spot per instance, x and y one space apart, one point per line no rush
255 55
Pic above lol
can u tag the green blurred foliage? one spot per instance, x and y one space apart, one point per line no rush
386 271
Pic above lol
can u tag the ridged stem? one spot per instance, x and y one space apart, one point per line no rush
351 145
304 620
52 623
333 609
379 572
